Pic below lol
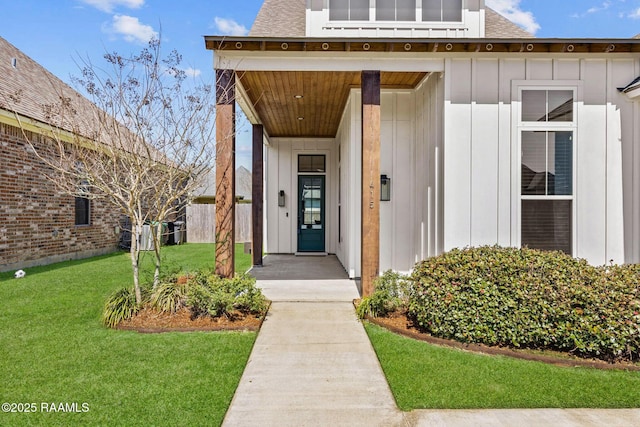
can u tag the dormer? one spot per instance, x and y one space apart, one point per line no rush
395 18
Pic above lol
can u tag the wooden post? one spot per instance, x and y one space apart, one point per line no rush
370 253
257 194
225 172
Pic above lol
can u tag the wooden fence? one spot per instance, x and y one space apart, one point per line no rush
201 223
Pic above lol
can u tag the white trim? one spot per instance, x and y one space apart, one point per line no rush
518 86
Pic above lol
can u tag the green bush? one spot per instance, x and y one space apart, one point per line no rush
209 294
390 293
203 293
529 299
121 305
169 296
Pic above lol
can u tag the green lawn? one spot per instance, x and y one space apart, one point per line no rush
424 376
53 349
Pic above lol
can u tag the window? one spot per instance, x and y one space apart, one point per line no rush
395 10
349 10
313 164
442 10
82 211
546 171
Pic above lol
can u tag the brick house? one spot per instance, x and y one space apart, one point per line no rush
394 131
38 225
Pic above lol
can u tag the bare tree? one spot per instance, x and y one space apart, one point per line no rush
143 148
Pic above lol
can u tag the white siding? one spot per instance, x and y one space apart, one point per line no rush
480 165
282 174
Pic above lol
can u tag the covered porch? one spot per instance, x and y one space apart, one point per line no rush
297 103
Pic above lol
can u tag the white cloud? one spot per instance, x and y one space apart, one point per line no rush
635 14
109 5
131 29
229 27
192 72
511 10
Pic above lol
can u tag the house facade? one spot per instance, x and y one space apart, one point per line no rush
38 224
396 130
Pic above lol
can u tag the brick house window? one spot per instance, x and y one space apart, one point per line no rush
83 211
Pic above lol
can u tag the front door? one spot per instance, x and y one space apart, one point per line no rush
311 215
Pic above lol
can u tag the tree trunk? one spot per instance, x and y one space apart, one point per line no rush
157 242
135 258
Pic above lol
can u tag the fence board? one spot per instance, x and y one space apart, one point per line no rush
201 223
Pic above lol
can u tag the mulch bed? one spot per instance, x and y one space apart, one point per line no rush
399 323
150 322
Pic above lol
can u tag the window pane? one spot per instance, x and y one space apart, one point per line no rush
406 10
546 225
339 10
452 10
359 10
432 10
560 152
560 106
82 211
534 105
534 163
312 202
385 10
311 163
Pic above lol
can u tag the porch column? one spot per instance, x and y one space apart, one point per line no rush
257 195
225 172
370 253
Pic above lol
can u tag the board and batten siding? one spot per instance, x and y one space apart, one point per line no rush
281 171
481 201
410 154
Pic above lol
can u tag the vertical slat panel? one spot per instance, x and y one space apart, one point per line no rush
457 154
484 153
591 165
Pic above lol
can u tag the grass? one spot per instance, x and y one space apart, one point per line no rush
424 376
54 350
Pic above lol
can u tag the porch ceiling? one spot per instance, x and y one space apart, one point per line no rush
275 96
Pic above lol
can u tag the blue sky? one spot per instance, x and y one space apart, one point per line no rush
56 33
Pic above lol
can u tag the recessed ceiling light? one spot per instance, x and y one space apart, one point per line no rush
298 96
300 118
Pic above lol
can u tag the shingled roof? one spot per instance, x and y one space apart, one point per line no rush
28 89
287 18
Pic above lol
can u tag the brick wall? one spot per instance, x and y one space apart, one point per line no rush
37 223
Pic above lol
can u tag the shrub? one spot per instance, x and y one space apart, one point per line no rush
212 295
121 305
169 296
391 293
530 299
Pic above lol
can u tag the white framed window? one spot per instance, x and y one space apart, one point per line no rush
546 134
441 10
395 10
349 10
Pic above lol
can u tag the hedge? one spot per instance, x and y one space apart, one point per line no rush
526 298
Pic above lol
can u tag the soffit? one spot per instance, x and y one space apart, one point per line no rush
324 96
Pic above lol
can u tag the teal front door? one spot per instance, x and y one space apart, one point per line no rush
311 213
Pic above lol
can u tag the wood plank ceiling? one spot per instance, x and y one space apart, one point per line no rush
308 103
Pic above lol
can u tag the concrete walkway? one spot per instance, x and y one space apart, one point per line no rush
313 365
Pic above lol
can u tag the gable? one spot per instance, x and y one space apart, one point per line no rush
287 18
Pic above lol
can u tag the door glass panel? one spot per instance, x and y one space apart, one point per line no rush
312 201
